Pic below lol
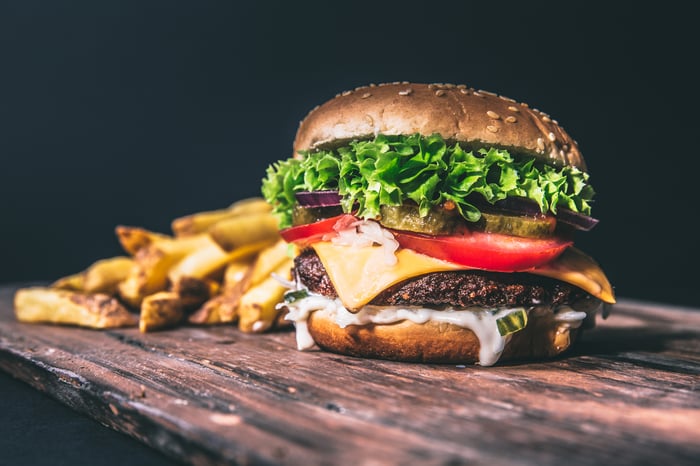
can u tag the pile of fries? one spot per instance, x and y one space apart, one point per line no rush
223 266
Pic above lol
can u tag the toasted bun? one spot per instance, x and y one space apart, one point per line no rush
436 342
457 113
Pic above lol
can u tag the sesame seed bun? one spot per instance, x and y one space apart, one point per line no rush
436 342
457 113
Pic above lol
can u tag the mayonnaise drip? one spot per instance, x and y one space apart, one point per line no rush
481 322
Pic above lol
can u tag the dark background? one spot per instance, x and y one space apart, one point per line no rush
136 112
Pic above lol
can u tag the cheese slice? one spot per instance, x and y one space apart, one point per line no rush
360 274
579 269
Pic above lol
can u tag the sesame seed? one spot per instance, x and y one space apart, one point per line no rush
493 115
540 144
513 109
493 129
464 90
546 119
476 93
552 137
372 85
507 99
431 86
369 120
461 86
450 86
511 119
366 94
555 122
405 82
440 92
523 104
347 93
492 94
406 92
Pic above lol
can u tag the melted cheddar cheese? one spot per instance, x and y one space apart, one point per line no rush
361 274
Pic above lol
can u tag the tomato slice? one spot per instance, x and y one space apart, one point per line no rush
303 235
488 251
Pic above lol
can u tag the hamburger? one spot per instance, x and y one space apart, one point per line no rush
435 223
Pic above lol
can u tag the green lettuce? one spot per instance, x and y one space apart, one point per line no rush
390 170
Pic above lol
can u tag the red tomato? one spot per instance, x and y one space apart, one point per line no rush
311 232
489 251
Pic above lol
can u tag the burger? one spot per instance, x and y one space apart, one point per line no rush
435 223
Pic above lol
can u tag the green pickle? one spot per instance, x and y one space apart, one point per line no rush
440 221
305 215
407 217
517 225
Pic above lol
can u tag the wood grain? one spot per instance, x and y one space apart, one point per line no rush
628 394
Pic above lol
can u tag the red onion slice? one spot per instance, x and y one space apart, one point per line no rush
524 206
318 198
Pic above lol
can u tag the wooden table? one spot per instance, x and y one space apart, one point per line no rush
628 394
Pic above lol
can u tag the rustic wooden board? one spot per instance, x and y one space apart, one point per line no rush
629 394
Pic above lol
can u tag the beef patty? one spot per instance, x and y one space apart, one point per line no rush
461 288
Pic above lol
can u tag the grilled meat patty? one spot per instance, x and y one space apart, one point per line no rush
462 288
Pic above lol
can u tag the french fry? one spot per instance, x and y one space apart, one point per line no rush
104 275
201 222
73 282
235 273
223 308
268 260
257 309
98 310
211 259
159 311
239 276
242 230
208 313
152 263
194 292
134 238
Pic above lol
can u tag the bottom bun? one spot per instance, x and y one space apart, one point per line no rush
437 342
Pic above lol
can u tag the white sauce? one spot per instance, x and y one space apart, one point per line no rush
481 322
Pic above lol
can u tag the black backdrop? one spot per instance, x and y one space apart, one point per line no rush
136 112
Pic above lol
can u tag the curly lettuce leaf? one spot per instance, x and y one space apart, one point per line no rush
390 170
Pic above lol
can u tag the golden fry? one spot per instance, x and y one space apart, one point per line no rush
194 292
152 264
257 309
243 230
210 259
40 304
104 275
235 272
134 238
201 222
73 282
268 260
160 310
207 314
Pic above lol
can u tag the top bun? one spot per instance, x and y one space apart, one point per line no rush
457 113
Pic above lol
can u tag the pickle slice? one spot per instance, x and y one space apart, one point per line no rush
304 215
441 221
407 217
541 226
